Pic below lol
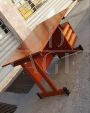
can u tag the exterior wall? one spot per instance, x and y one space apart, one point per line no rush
8 43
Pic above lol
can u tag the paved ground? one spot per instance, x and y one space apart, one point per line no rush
76 77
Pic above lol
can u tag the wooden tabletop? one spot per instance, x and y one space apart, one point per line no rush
10 14
37 39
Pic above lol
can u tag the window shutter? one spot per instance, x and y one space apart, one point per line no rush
8 43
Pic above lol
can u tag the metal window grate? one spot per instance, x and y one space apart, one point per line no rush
3 27
27 7
7 108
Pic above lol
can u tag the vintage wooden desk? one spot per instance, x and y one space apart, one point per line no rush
35 49
36 52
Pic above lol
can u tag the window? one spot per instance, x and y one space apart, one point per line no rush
28 7
3 30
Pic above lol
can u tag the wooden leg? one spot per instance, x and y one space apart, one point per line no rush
55 91
71 51
37 77
79 48
46 77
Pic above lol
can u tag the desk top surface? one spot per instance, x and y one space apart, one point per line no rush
21 27
37 40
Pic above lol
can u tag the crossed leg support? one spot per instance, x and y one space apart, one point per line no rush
55 91
38 76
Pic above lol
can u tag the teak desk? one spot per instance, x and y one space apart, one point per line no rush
36 49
